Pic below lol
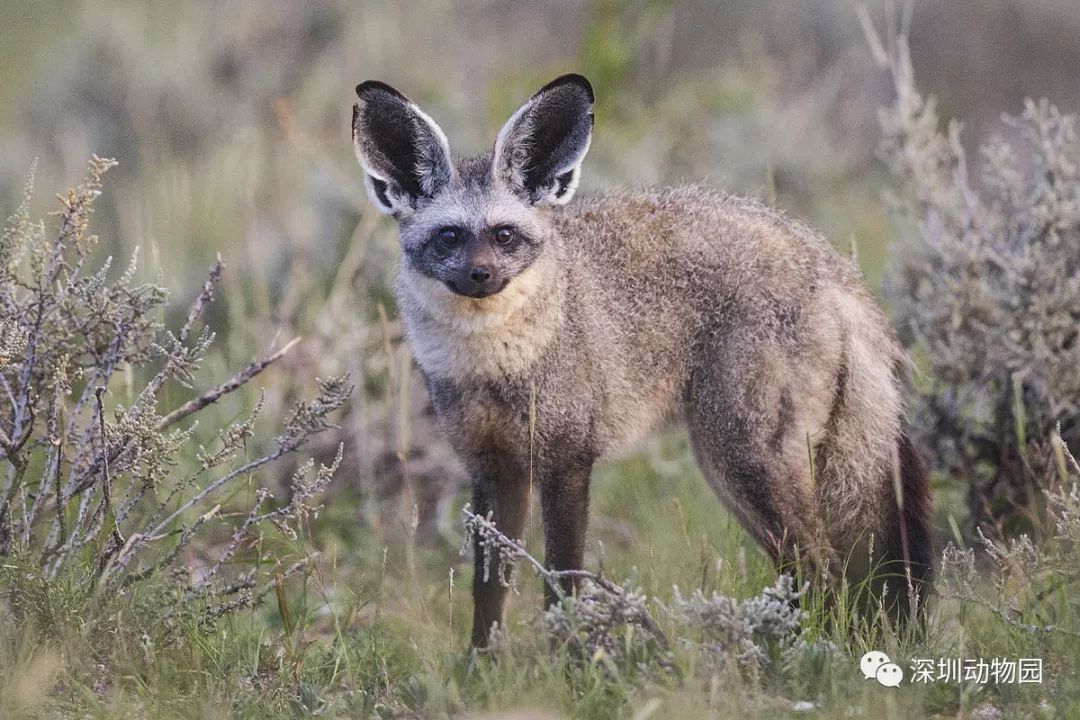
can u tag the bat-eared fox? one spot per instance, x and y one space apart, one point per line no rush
552 334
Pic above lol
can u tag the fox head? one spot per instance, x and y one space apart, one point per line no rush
474 225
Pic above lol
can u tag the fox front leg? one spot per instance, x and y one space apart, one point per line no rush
506 500
564 498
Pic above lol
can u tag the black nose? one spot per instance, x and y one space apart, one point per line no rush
480 274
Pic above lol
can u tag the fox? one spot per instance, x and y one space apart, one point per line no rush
552 335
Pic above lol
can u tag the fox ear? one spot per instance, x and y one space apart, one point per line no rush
539 150
404 154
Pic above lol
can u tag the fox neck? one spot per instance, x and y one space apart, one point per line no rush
461 338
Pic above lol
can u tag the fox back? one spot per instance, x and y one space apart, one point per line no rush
552 334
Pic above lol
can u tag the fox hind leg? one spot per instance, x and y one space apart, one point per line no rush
749 433
786 526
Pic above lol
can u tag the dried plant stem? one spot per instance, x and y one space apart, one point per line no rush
236 381
223 480
106 480
206 295
510 551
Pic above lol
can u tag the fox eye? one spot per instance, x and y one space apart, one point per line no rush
449 237
504 235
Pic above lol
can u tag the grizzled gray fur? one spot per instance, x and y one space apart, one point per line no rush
607 318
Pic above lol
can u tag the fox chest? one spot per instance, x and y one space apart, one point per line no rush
450 355
519 421
471 341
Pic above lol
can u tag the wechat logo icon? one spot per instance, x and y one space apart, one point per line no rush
877 665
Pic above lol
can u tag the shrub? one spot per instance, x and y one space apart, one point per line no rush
765 628
610 624
1025 597
1031 584
95 504
985 288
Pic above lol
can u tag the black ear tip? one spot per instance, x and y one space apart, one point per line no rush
376 86
573 79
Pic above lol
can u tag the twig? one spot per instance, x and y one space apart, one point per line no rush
1004 616
106 485
206 295
242 470
513 550
212 396
58 488
873 40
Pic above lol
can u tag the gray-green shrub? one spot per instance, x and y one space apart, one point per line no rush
95 503
985 287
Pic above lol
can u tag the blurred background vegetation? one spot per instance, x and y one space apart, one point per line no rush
230 122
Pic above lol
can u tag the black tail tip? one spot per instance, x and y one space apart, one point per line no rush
909 545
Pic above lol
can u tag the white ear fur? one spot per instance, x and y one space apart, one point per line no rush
561 197
507 168
391 205
426 164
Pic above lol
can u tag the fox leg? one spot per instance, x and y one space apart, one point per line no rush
750 431
771 506
507 501
564 497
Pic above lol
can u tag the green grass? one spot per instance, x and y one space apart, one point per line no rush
380 630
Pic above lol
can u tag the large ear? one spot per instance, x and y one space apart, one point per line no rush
403 152
539 151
